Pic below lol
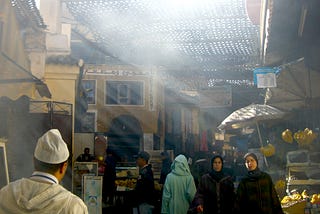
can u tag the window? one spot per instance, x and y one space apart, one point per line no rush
89 122
90 89
124 93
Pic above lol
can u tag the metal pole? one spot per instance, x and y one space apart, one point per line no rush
261 144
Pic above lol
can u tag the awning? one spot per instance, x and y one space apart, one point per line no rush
297 88
289 31
16 80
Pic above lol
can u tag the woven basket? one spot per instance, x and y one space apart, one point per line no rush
297 208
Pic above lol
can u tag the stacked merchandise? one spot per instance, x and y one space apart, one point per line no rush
301 203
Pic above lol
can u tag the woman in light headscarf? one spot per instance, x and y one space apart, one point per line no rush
256 192
179 188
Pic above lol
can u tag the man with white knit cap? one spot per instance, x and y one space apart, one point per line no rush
41 192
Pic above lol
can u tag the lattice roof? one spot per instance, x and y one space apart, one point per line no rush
28 13
209 36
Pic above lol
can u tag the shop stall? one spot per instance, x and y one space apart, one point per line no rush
303 169
81 169
126 179
302 173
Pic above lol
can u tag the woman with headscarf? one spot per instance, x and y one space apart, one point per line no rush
256 192
179 188
215 193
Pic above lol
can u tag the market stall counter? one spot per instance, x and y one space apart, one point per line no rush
303 182
126 179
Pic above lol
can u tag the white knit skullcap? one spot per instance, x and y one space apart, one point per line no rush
51 148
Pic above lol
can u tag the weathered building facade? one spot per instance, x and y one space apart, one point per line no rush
37 91
126 104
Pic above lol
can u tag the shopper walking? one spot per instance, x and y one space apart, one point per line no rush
215 193
165 170
179 188
41 192
109 177
256 192
145 191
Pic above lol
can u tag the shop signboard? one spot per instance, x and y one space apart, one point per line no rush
81 169
265 77
92 193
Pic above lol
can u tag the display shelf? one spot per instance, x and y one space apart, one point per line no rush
303 182
301 168
304 171
124 172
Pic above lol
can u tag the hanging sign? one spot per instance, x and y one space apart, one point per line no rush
265 77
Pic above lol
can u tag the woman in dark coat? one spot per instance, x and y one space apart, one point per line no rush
215 193
256 192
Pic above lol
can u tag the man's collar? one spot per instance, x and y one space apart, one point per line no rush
44 177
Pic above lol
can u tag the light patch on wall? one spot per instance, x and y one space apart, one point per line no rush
37 3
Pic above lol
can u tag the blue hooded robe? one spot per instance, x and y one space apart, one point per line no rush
179 188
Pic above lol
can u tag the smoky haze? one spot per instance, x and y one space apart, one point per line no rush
170 33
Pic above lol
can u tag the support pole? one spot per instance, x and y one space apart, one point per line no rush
261 144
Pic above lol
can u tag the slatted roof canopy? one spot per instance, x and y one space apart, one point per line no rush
28 13
213 37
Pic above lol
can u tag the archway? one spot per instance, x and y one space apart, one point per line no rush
124 137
